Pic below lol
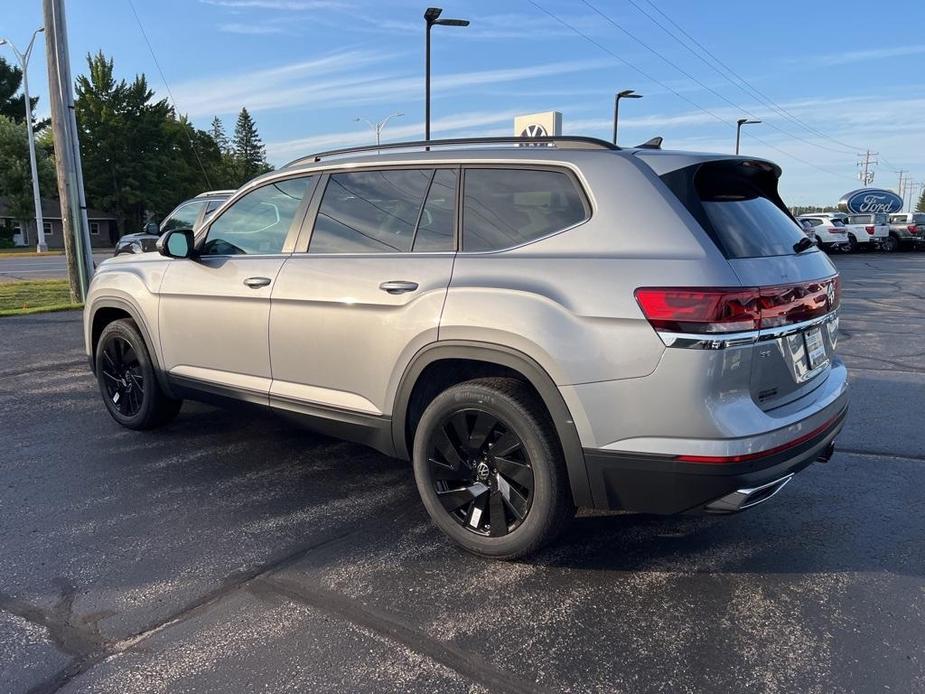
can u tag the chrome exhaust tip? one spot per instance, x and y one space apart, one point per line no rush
827 452
741 499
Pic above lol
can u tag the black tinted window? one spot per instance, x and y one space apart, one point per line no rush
507 207
259 221
370 211
435 230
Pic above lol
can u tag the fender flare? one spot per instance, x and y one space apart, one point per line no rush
136 316
513 359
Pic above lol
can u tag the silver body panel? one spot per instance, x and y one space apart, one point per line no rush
323 332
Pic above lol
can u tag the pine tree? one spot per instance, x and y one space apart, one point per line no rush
217 131
249 153
11 105
921 206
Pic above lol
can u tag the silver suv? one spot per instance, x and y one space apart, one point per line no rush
538 328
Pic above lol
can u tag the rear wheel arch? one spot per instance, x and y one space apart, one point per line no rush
439 366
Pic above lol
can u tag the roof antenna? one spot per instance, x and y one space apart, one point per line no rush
654 143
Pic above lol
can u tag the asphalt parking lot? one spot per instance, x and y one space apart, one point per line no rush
231 552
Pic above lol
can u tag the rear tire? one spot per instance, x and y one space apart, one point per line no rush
127 380
852 244
490 470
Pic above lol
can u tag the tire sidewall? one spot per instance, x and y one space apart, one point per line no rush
542 459
125 330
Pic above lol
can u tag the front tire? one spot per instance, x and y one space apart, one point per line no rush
127 381
890 244
852 244
490 470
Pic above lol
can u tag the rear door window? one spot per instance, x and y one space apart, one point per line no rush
372 212
503 208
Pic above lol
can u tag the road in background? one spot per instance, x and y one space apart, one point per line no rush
232 552
35 267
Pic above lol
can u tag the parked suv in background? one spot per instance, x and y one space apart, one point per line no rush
189 214
875 228
830 233
908 228
494 314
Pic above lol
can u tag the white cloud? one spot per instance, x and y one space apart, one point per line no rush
856 56
291 5
350 78
249 29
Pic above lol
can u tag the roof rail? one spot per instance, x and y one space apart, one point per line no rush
559 141
207 193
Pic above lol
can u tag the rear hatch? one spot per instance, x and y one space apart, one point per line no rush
791 288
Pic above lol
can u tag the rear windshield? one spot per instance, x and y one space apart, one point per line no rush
737 204
836 222
861 219
918 218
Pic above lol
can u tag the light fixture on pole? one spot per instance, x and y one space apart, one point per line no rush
432 17
379 126
739 124
625 94
40 245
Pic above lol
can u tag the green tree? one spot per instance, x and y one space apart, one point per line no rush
11 105
921 206
217 132
249 153
16 173
138 157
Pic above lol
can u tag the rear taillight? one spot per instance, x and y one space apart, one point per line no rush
913 229
719 310
870 230
835 230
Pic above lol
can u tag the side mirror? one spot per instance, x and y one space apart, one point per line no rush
177 243
152 228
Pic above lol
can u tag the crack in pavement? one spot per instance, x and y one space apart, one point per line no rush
80 636
85 659
880 454
461 661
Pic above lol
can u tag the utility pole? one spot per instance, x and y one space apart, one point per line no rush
40 245
76 230
866 176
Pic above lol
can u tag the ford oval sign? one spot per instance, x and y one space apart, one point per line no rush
870 200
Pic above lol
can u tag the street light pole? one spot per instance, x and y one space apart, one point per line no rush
431 17
739 124
40 246
625 94
379 126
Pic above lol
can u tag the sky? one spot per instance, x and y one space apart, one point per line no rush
828 79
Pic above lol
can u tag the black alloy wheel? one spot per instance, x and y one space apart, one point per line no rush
481 472
123 377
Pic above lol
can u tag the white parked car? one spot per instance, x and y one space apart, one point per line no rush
830 234
872 229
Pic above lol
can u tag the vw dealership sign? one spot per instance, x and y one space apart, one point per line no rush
870 200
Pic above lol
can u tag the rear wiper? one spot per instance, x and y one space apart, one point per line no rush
803 244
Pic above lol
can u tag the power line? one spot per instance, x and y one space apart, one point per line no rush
666 87
169 93
754 90
697 81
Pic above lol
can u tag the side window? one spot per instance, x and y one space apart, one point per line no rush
211 206
503 208
184 217
258 222
370 211
435 228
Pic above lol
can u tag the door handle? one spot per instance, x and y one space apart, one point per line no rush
398 286
257 282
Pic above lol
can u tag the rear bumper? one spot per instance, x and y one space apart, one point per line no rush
661 484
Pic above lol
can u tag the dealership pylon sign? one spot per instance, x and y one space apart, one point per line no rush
870 201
